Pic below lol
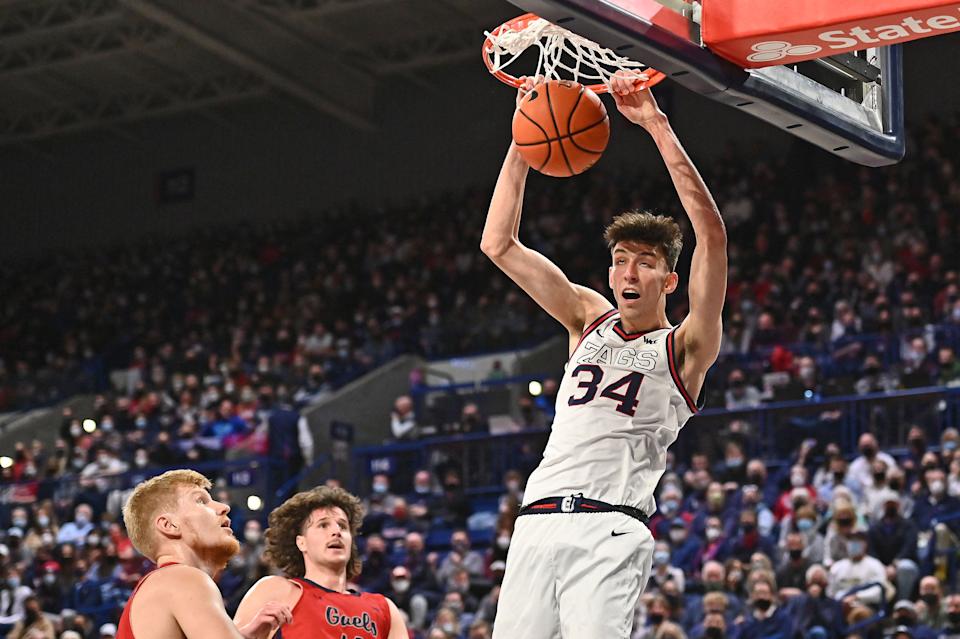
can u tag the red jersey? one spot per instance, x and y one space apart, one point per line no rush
322 613
124 630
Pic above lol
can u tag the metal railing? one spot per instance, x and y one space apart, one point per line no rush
771 431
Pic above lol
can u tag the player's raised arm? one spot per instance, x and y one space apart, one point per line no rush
700 333
541 279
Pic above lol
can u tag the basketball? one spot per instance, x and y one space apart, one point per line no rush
561 128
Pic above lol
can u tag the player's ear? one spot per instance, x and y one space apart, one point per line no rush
610 277
168 526
301 543
670 285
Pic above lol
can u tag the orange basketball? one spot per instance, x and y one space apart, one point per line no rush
561 128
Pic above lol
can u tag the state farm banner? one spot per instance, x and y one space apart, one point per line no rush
764 33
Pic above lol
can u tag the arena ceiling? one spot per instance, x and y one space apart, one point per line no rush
72 65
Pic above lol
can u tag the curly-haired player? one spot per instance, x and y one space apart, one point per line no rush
175 523
311 538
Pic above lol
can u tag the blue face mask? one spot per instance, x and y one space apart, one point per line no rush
855 548
661 557
804 525
669 506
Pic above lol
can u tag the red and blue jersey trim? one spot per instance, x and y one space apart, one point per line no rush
675 372
627 337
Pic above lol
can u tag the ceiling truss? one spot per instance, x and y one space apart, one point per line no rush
48 38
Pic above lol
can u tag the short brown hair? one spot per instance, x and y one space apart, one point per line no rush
152 497
289 520
638 226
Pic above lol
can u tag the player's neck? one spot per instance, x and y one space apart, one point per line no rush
187 557
634 322
329 578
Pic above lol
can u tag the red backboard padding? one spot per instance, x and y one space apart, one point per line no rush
761 33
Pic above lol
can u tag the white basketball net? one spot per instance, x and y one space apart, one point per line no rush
560 50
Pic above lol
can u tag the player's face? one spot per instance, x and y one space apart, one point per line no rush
326 538
639 276
205 526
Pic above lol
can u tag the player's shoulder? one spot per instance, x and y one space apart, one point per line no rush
593 305
176 573
276 588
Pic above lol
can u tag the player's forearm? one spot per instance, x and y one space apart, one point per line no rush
502 227
693 192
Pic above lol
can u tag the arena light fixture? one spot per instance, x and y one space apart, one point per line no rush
535 388
89 425
254 502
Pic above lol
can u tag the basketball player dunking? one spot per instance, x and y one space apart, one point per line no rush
311 539
581 551
172 520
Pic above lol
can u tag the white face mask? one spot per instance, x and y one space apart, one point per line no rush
503 541
936 487
713 534
401 585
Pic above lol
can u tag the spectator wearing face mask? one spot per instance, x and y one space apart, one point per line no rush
951 627
714 597
668 509
733 468
739 393
747 540
50 590
814 609
904 615
460 556
76 531
34 624
657 612
715 540
686 548
798 483
893 540
378 506
662 570
860 473
767 618
934 612
767 486
859 569
447 621
793 568
935 503
714 626
414 604
842 524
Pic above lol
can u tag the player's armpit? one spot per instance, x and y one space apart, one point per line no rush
544 282
196 604
273 588
398 629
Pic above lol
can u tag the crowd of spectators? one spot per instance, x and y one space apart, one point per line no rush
842 279
827 546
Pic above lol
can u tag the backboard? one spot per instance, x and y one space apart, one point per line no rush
850 104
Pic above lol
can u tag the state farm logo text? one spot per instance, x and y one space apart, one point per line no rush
855 37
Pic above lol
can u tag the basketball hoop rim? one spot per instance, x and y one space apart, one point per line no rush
522 22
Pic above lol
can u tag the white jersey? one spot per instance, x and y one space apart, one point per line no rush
619 407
